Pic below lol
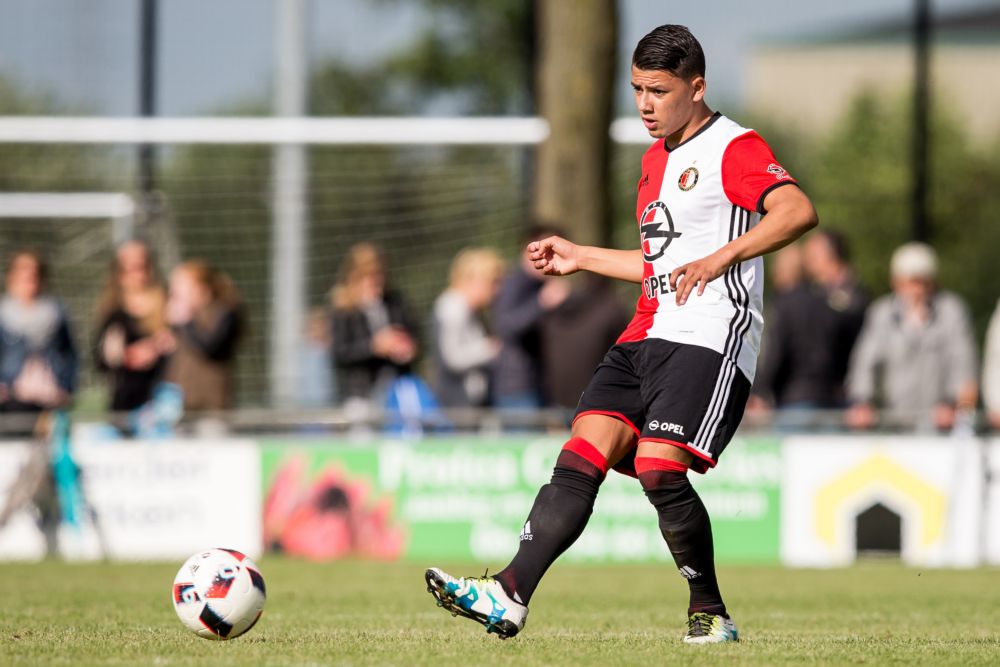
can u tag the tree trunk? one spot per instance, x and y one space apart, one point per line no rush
576 68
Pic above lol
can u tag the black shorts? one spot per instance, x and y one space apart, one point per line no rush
684 395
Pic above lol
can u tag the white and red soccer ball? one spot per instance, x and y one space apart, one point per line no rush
219 593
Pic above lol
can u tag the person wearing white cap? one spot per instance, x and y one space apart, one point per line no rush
915 357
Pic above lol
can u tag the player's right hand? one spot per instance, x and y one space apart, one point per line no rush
554 256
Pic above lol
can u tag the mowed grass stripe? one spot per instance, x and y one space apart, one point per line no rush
365 613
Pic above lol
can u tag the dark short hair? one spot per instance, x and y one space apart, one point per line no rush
670 48
837 243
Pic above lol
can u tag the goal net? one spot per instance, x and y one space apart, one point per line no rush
420 202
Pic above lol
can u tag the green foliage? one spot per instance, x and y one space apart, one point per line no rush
366 613
481 52
47 167
859 179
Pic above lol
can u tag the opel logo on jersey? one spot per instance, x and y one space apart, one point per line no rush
652 229
688 179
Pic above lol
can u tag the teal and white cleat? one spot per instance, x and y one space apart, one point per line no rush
704 628
481 599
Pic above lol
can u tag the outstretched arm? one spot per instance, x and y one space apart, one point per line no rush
790 214
555 256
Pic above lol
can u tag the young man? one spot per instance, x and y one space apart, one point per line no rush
669 395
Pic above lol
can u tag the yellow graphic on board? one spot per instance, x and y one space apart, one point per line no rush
880 472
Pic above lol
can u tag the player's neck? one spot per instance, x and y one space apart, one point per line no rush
702 115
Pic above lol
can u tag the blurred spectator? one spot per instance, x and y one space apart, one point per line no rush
133 340
575 337
38 361
811 331
373 336
525 296
463 351
205 311
915 356
991 370
786 269
317 388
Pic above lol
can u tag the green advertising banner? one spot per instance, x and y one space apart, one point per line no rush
467 498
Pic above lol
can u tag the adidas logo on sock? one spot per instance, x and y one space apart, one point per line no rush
689 572
526 532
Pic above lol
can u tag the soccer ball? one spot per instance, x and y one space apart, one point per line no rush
219 593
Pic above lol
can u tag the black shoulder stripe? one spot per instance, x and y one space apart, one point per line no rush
768 190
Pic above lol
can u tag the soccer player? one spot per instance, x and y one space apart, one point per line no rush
669 394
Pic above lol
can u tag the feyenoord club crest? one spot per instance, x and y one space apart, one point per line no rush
688 179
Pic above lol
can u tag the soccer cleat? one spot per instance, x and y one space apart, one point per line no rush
705 628
481 599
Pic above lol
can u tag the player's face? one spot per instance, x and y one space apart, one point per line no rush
665 102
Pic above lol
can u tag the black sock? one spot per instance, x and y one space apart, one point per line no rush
687 529
558 517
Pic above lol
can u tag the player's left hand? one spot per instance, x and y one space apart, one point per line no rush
698 274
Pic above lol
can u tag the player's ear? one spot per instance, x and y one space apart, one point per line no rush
698 87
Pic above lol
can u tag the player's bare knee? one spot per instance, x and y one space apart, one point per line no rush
612 437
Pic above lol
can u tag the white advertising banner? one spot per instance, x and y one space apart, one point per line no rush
935 485
992 537
150 500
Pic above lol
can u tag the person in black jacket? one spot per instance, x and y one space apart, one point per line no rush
811 331
373 336
132 341
525 297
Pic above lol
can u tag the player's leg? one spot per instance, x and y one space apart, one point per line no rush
564 505
690 423
603 432
557 518
684 521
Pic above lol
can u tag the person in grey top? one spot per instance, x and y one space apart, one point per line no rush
463 351
915 357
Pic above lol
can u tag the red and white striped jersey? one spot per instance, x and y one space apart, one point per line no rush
692 200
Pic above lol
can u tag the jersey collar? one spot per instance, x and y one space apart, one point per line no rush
711 121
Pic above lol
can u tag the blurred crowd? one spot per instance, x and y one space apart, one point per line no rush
498 336
502 336
905 360
155 341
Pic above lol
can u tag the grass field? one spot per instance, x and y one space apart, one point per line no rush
362 613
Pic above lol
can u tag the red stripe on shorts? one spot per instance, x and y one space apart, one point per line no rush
648 463
703 464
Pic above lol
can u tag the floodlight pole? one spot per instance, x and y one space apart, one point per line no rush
288 208
920 230
148 16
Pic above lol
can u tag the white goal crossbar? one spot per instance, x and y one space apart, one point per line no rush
117 206
386 130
